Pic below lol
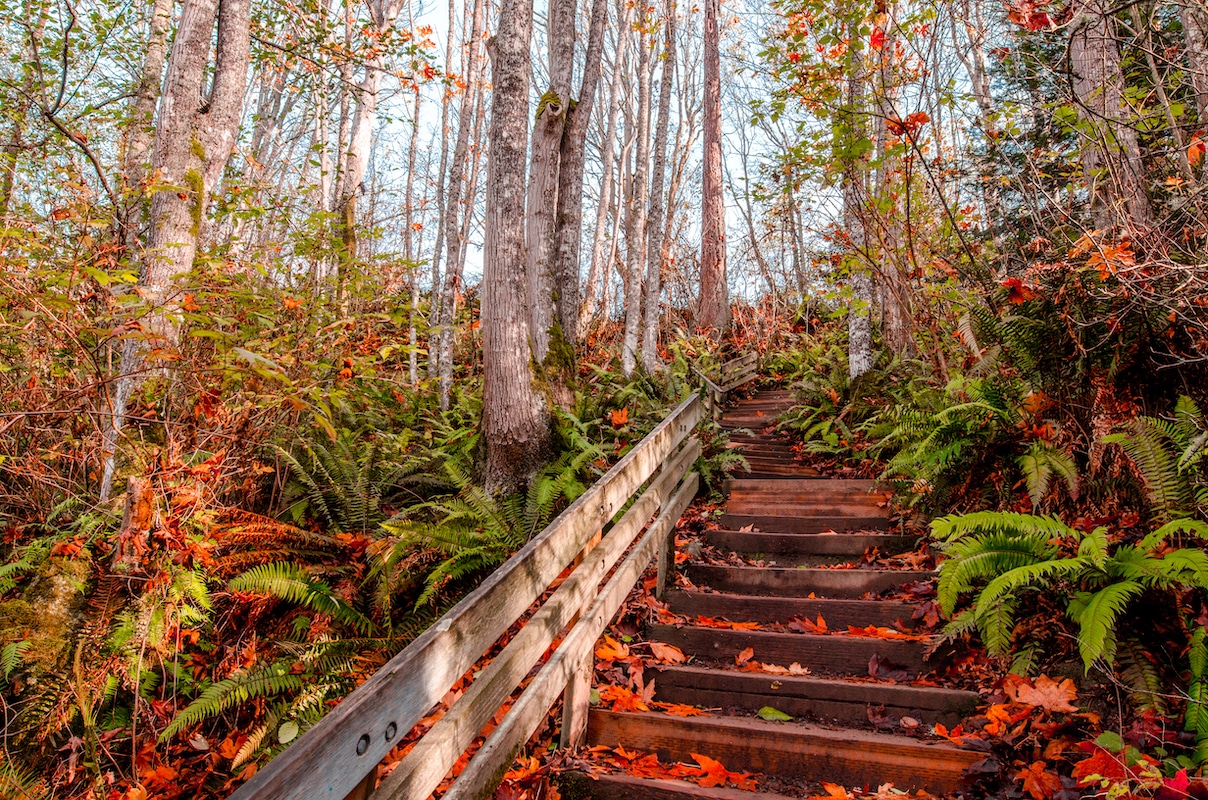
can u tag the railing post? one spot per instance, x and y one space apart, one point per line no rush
576 701
365 788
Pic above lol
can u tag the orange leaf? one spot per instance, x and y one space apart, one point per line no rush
619 417
1100 763
744 656
877 40
612 650
713 773
1195 150
681 710
1038 781
833 791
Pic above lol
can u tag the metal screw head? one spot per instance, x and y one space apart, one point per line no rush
391 730
362 744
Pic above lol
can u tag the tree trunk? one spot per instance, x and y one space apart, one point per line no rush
569 221
542 205
635 240
195 135
587 305
441 202
656 244
515 420
1111 158
140 128
453 214
859 316
713 308
1195 31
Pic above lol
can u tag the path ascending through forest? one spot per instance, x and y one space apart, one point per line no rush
791 622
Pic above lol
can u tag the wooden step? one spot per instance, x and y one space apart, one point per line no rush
837 613
822 654
745 505
807 696
845 757
801 581
627 787
808 544
812 487
773 524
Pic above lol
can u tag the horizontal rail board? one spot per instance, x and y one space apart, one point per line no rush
332 758
494 758
422 770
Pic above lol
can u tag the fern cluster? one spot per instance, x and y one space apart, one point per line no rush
1169 454
999 559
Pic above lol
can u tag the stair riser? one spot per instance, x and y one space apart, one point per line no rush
833 655
808 544
837 756
772 524
775 582
838 614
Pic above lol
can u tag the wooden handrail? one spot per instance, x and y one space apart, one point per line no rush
731 375
338 757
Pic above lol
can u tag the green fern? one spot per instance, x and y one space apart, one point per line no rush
232 692
1040 464
999 557
1168 455
11 656
291 583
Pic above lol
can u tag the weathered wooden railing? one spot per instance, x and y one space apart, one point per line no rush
338 757
733 373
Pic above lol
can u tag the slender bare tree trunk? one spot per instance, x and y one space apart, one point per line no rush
635 240
515 420
542 205
454 238
441 202
569 222
713 308
195 135
656 243
1111 159
1194 17
140 130
859 315
598 266
409 249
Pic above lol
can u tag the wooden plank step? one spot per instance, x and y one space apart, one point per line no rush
820 653
813 487
808 544
807 696
844 757
836 613
819 506
800 581
773 524
627 787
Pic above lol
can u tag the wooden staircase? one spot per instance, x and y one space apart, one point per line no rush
787 526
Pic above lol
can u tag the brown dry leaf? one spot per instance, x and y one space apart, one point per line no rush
1046 693
667 653
745 656
796 669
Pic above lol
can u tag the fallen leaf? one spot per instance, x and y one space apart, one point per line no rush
745 656
773 714
667 653
1038 781
713 773
1045 693
612 650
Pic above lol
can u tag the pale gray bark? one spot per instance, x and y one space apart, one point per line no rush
542 205
635 235
569 223
713 308
195 135
441 205
1111 157
598 266
1194 17
140 130
656 244
454 214
515 420
859 316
